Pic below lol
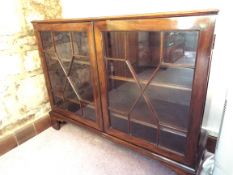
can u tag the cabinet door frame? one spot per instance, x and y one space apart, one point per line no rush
73 27
205 26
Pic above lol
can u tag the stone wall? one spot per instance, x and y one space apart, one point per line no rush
23 96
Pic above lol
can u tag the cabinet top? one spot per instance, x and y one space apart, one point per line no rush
143 16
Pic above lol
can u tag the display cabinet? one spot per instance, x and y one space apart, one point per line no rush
139 80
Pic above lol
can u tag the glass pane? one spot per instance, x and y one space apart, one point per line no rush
118 122
122 94
170 95
145 132
140 49
63 47
172 141
46 39
80 76
69 93
143 122
180 47
88 111
142 113
67 105
81 44
172 105
72 107
118 68
58 101
121 45
148 55
72 104
182 77
70 96
145 49
56 74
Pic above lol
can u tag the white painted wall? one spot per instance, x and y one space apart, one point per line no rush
221 57
224 152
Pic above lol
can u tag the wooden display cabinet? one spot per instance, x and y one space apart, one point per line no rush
139 80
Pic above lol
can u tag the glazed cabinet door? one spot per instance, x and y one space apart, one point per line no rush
69 63
153 81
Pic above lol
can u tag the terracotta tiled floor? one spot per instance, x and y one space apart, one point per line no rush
76 151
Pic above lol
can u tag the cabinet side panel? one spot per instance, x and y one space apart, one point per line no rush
200 84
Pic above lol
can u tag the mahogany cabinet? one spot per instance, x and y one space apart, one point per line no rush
140 80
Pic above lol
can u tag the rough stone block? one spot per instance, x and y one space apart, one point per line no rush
10 64
31 17
32 92
22 86
5 43
10 17
11 107
3 114
43 110
32 61
25 41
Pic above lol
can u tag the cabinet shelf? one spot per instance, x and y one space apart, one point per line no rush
80 56
153 83
178 64
170 78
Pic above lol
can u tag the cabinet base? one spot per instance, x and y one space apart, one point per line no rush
56 124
